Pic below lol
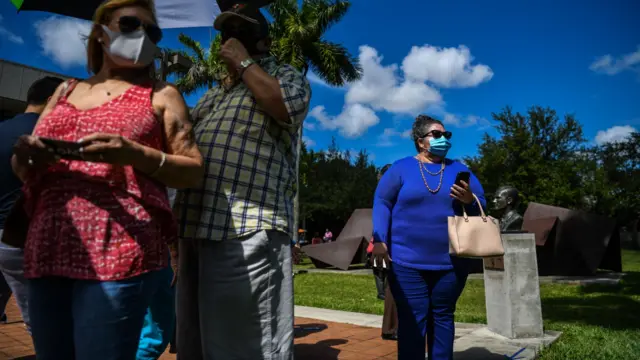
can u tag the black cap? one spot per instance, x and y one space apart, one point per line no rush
244 11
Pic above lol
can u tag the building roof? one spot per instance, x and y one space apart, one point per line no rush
15 80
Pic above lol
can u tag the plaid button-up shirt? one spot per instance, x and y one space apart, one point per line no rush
250 161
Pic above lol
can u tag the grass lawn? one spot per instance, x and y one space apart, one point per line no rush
598 322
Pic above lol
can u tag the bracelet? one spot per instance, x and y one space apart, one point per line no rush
162 161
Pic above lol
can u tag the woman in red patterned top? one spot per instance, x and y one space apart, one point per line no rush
100 223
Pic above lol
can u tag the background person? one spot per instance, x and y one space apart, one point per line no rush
390 315
411 205
97 242
328 236
11 258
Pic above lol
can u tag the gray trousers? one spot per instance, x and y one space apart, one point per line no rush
12 269
235 298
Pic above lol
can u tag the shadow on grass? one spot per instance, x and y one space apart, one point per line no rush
322 350
609 306
629 285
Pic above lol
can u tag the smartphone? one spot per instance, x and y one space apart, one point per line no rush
462 176
65 149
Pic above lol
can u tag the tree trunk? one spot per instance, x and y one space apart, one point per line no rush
296 199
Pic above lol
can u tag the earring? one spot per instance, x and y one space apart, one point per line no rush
100 41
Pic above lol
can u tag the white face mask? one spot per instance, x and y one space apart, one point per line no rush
135 46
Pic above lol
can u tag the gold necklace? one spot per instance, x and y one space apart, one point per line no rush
424 179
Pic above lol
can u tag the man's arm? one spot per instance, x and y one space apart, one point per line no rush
285 97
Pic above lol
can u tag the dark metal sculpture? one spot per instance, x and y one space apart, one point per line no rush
572 242
506 200
349 248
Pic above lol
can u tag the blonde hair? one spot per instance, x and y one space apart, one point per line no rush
103 16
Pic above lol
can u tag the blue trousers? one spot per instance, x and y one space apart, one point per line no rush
84 319
426 301
159 322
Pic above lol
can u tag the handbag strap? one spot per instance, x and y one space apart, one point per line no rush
482 214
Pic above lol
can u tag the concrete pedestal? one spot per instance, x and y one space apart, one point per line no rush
512 289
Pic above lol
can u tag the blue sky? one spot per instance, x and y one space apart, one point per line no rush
458 60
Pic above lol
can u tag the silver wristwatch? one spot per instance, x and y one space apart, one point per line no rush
244 64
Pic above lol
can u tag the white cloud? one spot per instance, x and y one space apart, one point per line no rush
309 125
9 35
389 134
444 67
614 134
406 90
609 65
382 89
308 141
64 40
465 121
352 122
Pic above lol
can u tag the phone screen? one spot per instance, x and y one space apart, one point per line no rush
65 149
462 176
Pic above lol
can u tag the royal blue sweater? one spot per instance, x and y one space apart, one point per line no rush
412 221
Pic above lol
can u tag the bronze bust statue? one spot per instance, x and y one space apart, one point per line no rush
506 200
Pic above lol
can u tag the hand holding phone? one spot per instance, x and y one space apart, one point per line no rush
463 176
31 151
65 149
460 191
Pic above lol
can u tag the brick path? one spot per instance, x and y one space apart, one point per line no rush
315 340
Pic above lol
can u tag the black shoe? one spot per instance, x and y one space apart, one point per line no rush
393 337
3 319
381 297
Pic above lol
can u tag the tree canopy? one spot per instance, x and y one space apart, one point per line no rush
539 152
546 157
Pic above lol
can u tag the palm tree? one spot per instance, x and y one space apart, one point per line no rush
297 33
206 67
298 39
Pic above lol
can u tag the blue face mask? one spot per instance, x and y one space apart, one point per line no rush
440 146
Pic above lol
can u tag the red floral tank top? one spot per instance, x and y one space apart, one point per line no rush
96 221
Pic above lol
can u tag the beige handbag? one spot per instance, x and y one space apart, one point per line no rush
474 236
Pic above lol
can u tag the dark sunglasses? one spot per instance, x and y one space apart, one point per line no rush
129 24
437 134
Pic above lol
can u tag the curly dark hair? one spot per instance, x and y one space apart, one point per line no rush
420 127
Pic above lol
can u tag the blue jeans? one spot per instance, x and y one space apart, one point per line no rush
85 319
426 301
12 269
159 322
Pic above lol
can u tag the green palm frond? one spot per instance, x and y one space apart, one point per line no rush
192 45
297 34
333 63
322 14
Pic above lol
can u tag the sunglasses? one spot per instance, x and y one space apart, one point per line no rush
129 24
437 134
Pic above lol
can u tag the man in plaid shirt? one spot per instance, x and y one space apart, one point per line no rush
235 293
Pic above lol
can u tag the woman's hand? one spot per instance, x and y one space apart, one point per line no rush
109 148
30 152
380 254
462 193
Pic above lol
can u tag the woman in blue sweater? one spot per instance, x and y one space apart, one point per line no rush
410 209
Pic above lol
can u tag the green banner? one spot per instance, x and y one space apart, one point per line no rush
17 3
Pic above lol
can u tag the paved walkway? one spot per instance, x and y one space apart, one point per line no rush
315 340
322 334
